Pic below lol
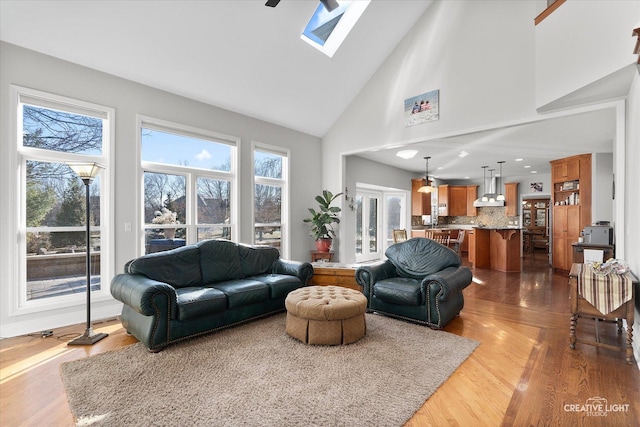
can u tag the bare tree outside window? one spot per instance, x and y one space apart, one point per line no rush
54 198
268 170
201 214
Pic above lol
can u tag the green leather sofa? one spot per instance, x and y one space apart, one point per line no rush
196 289
420 281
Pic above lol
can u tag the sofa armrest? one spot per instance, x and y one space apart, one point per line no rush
144 295
368 275
302 270
447 282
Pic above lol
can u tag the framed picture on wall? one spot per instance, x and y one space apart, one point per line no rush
422 108
536 187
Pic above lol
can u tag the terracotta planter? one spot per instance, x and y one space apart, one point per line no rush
323 245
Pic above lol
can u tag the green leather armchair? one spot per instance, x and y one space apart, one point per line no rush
420 281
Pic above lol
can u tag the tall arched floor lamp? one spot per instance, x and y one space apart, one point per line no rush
86 172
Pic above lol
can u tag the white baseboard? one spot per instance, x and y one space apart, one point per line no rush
52 320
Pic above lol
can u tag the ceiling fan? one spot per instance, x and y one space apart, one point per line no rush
328 4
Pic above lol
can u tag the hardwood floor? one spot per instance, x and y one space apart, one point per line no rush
522 374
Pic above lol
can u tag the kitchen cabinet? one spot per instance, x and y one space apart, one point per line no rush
571 180
472 195
452 200
511 198
496 248
566 231
567 169
420 202
457 200
443 200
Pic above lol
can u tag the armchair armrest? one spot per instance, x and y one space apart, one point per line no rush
447 282
144 295
302 270
368 275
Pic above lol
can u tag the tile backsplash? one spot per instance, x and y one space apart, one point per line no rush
487 216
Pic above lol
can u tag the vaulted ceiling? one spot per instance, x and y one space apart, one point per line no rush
245 57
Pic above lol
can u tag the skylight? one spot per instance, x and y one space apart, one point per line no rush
327 30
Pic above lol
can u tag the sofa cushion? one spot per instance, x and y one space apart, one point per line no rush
399 290
196 302
178 267
257 260
243 292
220 261
419 257
279 284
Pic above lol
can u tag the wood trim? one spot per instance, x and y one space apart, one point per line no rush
636 50
548 11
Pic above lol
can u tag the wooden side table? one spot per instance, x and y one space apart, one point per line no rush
318 256
578 251
334 274
580 307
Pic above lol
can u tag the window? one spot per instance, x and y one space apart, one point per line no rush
327 30
52 132
270 197
189 181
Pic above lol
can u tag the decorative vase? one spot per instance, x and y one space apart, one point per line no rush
170 233
323 245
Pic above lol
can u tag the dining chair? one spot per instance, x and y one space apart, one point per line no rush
456 244
442 237
399 235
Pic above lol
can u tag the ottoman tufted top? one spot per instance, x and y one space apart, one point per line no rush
325 303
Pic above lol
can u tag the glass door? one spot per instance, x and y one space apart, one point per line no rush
369 235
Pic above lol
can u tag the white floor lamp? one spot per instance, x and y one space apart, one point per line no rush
86 172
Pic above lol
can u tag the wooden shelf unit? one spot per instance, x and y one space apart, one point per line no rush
571 199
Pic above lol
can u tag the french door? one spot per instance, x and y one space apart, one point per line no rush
369 233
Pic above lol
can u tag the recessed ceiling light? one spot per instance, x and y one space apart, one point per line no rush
534 171
407 154
519 160
463 154
527 167
439 168
466 177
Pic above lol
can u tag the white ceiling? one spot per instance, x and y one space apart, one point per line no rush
245 57
239 55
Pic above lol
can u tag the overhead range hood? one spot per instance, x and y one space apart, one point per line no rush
489 199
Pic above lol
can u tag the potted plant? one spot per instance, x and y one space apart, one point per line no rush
322 220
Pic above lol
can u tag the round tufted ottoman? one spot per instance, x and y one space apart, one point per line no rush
329 315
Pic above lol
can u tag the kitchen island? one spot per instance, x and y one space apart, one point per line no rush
496 247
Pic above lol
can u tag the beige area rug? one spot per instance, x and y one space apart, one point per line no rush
256 375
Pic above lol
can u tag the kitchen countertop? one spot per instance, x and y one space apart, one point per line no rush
443 227
509 227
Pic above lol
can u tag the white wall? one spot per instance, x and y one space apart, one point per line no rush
481 55
632 207
602 187
29 69
597 37
480 87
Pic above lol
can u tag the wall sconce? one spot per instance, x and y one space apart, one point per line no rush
349 200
